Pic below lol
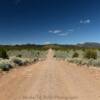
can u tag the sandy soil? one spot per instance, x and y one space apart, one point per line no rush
51 80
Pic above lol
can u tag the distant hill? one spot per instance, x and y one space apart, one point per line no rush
53 46
90 44
86 45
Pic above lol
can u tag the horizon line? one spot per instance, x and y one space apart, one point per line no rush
47 44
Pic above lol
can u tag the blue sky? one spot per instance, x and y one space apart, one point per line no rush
49 21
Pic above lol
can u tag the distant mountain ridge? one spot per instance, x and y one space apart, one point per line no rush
89 44
83 45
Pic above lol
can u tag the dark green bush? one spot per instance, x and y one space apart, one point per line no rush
75 55
19 56
18 62
5 67
90 54
3 54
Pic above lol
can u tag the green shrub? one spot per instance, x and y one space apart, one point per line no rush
5 67
19 55
96 62
75 55
3 54
18 62
21 61
90 54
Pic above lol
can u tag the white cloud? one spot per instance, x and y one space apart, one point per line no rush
47 42
63 34
55 31
87 21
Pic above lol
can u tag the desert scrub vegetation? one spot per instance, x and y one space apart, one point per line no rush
62 54
20 59
27 53
88 56
16 56
6 65
3 54
75 55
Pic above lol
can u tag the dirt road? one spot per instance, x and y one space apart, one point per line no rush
51 80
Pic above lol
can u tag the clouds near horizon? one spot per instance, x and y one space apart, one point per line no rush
87 21
55 31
